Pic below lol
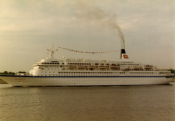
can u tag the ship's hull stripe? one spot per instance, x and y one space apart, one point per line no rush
83 76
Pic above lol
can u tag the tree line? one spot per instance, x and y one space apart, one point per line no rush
11 73
172 70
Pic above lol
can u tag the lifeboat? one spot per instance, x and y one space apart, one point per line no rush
137 68
81 67
147 66
101 67
114 66
91 66
71 66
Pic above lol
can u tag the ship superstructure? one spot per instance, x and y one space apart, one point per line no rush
54 67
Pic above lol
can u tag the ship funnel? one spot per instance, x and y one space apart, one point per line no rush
123 54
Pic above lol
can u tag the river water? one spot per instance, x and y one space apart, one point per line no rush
107 103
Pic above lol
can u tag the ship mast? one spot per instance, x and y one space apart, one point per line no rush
50 52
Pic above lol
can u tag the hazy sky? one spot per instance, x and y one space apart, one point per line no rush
29 27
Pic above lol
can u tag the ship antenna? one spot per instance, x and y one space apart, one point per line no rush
50 52
53 47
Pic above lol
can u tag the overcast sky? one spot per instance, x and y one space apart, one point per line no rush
29 27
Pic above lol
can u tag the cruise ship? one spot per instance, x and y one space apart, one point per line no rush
87 72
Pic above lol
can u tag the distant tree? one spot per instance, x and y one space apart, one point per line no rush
172 70
22 72
5 72
12 73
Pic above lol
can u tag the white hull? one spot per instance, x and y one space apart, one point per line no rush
84 81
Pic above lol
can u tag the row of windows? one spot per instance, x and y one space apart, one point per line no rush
53 63
76 63
141 72
89 72
79 63
112 72
93 75
164 72
60 66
